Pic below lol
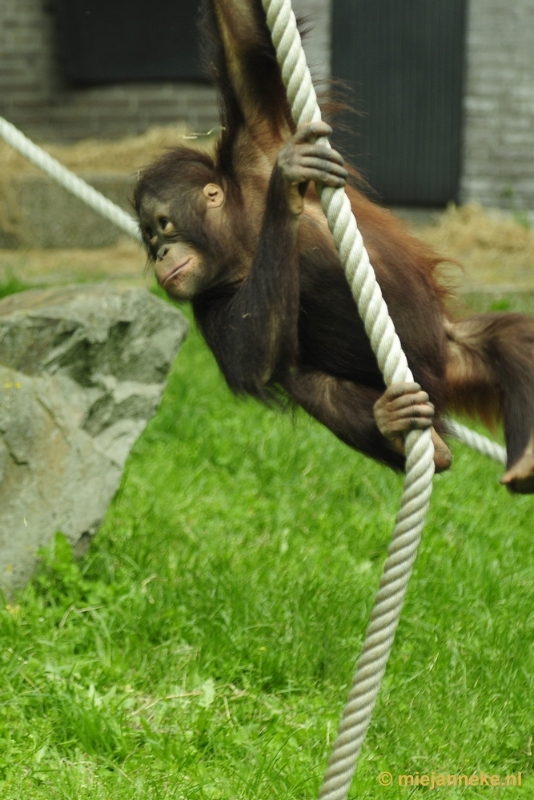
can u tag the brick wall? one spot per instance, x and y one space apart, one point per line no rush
34 97
499 104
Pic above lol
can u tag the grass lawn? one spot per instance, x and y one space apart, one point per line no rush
205 647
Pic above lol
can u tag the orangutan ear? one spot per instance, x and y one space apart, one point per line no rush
214 195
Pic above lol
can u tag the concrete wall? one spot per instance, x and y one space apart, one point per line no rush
499 104
316 18
35 98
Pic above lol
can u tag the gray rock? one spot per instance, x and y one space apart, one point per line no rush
82 370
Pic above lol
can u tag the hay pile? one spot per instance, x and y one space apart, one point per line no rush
100 155
491 247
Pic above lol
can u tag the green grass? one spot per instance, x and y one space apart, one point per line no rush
11 285
205 647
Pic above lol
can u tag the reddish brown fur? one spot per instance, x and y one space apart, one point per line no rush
280 316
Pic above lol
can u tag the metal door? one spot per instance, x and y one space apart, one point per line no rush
111 41
404 60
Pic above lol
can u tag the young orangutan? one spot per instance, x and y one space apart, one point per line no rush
242 236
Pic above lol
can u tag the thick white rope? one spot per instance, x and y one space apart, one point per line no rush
419 448
391 360
72 183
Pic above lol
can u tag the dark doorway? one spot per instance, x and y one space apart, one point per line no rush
107 41
404 60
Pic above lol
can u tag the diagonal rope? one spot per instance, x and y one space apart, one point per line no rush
71 182
419 450
477 442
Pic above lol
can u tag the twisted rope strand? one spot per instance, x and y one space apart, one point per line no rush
477 442
419 449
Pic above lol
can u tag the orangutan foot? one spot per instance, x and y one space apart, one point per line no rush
442 454
520 477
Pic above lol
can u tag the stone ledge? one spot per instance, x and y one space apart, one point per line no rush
44 215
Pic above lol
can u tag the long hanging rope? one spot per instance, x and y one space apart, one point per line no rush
394 367
419 449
